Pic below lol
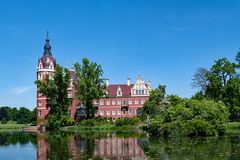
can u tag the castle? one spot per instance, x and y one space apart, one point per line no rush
122 100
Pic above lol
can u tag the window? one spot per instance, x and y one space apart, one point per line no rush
101 112
95 102
119 91
119 102
40 76
39 103
124 111
39 94
113 102
136 91
39 113
101 102
142 91
108 102
119 112
130 111
108 112
130 101
142 101
113 112
124 102
136 101
136 111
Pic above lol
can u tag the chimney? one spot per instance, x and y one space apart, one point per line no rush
128 81
107 82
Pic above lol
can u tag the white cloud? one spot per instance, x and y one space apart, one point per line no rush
20 90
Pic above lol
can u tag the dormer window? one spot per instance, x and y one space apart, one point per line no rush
119 91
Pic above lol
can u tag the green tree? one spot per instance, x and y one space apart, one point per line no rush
4 112
13 114
156 102
220 73
56 92
90 85
24 116
232 97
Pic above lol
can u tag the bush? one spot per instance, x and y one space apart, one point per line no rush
126 121
191 118
4 121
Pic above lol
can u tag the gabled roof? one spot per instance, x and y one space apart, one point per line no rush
112 90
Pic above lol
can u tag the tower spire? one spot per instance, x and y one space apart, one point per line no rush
47 47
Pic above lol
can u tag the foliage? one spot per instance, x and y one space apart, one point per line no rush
21 115
120 122
223 84
191 118
90 85
57 100
218 76
4 121
155 103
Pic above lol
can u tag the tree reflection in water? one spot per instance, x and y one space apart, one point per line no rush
97 145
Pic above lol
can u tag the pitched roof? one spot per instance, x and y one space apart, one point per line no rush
126 90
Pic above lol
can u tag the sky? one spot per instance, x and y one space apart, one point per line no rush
163 41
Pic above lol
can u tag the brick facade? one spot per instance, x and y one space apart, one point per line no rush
122 100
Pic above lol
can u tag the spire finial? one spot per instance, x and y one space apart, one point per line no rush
47 47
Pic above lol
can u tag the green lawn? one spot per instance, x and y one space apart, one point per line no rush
11 126
233 128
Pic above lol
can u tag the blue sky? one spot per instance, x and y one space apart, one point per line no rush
164 41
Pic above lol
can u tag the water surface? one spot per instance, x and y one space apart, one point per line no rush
96 145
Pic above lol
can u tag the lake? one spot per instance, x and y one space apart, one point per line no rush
97 145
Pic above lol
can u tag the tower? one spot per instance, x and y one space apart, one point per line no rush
45 67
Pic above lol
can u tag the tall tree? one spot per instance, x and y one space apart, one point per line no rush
200 80
56 92
218 76
90 85
155 103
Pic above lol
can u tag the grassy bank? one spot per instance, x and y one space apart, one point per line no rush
101 128
233 128
11 127
102 125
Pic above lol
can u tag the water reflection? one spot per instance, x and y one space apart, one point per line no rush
97 145
75 146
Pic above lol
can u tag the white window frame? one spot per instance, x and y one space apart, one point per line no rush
113 112
119 102
119 112
136 101
108 102
108 112
101 102
113 102
130 101
101 112
142 101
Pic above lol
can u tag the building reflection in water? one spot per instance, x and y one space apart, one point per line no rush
103 148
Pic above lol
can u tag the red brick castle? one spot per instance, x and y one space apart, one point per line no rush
122 100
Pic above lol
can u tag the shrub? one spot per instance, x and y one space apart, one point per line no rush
126 121
4 121
191 118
